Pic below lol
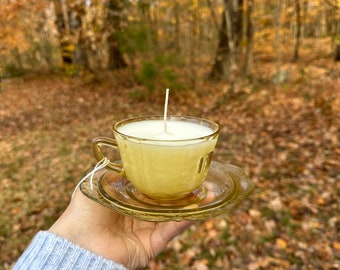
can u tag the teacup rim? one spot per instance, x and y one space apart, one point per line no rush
215 130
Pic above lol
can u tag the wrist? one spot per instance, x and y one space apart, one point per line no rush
83 226
50 251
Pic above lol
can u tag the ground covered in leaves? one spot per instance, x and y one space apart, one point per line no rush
285 136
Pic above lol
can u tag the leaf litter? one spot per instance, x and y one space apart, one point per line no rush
286 137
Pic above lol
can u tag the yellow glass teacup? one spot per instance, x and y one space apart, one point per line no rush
162 165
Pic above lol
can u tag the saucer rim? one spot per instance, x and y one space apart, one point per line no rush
166 214
161 209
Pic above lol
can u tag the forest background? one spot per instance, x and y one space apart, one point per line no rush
268 71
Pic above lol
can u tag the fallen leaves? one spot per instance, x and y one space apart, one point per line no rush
336 245
286 138
280 243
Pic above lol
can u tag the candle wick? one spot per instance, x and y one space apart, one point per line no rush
166 110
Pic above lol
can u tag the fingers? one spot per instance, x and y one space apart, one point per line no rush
173 228
165 232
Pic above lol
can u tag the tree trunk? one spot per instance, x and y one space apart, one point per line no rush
194 39
230 37
247 37
218 71
177 27
66 47
69 20
76 13
337 51
337 42
116 60
279 76
297 30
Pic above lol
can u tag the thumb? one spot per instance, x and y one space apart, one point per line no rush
165 232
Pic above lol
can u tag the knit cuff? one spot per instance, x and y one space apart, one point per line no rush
48 251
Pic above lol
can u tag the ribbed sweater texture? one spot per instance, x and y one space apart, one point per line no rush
48 251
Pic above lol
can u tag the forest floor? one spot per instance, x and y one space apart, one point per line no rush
286 137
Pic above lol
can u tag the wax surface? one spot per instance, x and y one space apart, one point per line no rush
154 129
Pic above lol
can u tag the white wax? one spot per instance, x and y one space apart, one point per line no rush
154 129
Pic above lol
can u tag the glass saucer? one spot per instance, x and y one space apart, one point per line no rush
223 189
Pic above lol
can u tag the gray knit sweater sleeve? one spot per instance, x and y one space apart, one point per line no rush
48 251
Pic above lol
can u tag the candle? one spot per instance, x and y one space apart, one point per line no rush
166 165
154 130
164 157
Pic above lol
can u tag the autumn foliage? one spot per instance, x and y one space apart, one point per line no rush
281 124
285 137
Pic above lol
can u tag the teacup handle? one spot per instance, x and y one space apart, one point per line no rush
97 143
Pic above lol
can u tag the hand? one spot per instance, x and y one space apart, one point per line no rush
120 238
